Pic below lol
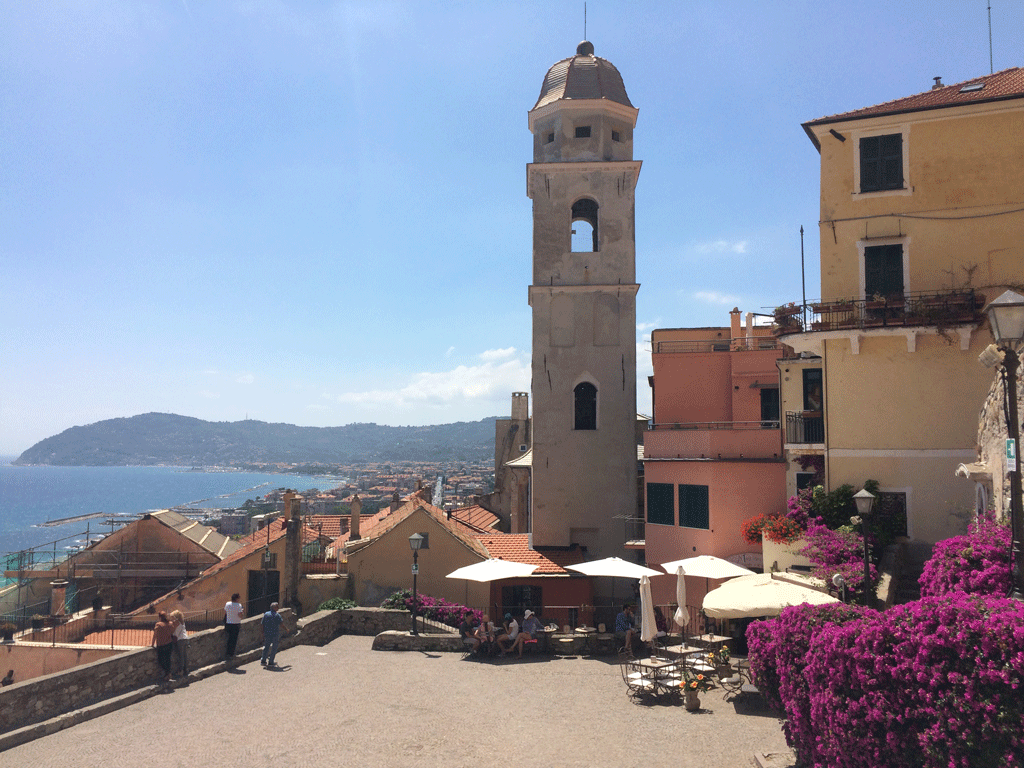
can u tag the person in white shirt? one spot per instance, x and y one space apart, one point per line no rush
233 611
180 642
510 634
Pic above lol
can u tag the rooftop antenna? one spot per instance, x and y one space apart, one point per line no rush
989 23
991 69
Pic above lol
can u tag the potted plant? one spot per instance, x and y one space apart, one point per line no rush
7 630
720 660
693 686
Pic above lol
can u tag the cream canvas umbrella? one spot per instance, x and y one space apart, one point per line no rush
707 567
682 616
614 566
648 624
492 570
763 594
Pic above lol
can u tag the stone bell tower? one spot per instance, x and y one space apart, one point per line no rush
581 182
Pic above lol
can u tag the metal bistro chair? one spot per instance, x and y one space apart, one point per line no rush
637 684
739 683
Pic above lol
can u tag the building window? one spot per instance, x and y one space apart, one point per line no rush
881 162
693 507
616 136
883 270
660 509
804 480
585 395
584 226
583 132
769 408
550 138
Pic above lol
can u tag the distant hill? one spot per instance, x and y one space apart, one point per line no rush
165 438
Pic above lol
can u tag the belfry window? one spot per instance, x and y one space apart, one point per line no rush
582 131
584 226
585 395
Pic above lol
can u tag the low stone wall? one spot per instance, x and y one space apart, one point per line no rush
44 697
373 621
32 660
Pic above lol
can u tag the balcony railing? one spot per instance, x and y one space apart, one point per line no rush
946 309
715 425
805 427
739 344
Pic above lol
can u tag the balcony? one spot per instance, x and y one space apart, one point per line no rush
710 441
805 427
940 310
739 344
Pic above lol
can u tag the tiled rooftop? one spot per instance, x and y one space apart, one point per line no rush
515 547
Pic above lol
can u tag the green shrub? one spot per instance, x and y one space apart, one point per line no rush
336 604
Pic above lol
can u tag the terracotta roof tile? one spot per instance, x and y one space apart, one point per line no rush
1006 84
515 547
475 518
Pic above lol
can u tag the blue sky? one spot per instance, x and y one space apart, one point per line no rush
316 213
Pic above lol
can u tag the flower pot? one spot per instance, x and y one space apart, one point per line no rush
691 701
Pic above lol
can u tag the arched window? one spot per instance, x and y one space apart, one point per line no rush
586 406
584 226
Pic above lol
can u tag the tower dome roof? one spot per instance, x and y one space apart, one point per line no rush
583 76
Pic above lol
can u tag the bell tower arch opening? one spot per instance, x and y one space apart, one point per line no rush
584 226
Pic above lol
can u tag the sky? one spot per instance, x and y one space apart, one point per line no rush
315 212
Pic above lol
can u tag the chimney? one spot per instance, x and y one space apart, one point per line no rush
734 323
395 501
293 551
938 83
291 509
356 506
520 406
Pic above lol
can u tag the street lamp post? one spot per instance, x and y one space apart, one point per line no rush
1006 317
415 542
864 500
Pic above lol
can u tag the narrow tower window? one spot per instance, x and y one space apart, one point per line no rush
583 132
584 226
586 406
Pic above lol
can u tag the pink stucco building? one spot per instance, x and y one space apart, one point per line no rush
713 456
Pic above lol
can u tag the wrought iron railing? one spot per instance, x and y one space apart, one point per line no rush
739 344
715 425
805 427
920 309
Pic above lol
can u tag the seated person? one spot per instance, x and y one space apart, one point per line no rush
509 635
624 628
662 628
467 629
8 679
485 634
531 626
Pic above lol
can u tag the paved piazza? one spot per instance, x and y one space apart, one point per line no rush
346 705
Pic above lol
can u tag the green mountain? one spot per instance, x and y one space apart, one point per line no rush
165 438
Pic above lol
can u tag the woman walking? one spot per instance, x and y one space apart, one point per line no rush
180 642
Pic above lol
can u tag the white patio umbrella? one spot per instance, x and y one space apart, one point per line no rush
682 616
492 570
708 567
648 624
763 594
614 566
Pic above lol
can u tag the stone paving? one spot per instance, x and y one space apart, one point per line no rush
345 704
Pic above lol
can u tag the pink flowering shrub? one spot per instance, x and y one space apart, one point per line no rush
928 684
838 551
778 654
433 608
977 563
800 508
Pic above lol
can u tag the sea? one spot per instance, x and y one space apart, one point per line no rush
30 496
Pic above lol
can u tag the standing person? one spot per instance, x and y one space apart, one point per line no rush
271 624
180 642
233 611
163 640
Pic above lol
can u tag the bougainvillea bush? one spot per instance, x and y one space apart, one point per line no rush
838 551
778 654
433 608
929 684
977 563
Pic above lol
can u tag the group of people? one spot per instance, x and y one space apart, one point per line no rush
483 638
627 634
170 638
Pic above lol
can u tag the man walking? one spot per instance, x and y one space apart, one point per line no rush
271 623
233 611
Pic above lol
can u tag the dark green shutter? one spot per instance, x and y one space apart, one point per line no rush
660 508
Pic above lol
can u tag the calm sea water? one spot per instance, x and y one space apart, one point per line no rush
33 495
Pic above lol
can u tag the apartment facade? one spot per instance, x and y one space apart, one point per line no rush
922 223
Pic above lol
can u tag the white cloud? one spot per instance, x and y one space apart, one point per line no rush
641 327
450 351
208 394
490 382
722 246
498 354
245 378
714 297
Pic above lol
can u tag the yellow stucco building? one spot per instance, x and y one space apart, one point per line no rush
922 223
